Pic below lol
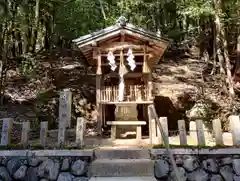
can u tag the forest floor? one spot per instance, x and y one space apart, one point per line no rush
178 84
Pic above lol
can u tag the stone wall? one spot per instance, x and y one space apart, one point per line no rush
44 168
199 167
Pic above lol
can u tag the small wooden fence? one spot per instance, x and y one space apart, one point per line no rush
132 93
198 132
7 125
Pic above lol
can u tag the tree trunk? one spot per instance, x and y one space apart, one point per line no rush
237 66
219 44
214 56
35 27
221 41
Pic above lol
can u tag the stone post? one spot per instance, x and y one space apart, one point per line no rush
6 131
235 128
80 131
182 132
43 133
200 132
217 129
25 132
65 106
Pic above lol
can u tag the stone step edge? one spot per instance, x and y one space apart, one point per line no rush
122 179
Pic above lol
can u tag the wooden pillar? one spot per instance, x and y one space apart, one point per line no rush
150 87
98 90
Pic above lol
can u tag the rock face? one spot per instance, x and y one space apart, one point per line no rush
4 175
75 168
78 167
49 169
52 168
190 164
161 169
65 176
20 173
13 165
199 168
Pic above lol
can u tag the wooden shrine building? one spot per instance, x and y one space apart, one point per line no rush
123 57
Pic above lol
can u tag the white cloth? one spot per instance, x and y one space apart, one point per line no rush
130 59
111 59
121 88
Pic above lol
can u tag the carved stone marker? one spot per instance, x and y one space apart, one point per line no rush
80 131
217 129
200 132
182 132
25 132
43 133
61 134
65 102
235 128
6 131
164 124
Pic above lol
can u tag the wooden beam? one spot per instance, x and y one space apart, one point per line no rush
150 87
98 104
126 123
125 54
122 36
145 68
122 45
162 44
137 63
99 62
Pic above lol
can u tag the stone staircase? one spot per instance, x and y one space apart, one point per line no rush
121 165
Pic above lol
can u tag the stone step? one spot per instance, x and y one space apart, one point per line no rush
122 154
122 179
122 168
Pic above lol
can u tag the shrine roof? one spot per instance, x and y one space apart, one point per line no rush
85 43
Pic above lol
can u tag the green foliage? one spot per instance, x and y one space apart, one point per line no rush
192 147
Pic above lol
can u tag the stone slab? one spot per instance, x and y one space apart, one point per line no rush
182 151
88 153
123 154
122 168
122 179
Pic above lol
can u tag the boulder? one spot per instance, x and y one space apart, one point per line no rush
161 169
65 165
4 174
13 165
225 161
33 161
20 173
216 178
32 174
80 179
191 164
198 175
181 172
236 177
78 168
65 176
236 166
227 172
210 165
49 169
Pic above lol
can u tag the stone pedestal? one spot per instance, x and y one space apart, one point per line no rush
126 113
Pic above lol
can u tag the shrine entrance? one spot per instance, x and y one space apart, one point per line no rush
123 57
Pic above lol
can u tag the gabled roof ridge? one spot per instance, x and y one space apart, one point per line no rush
110 29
